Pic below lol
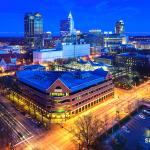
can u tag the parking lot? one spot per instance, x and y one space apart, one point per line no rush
132 135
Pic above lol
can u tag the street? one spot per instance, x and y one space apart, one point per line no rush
60 139
19 132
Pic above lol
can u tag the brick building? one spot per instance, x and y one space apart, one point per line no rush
66 93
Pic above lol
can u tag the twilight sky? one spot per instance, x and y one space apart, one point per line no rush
88 14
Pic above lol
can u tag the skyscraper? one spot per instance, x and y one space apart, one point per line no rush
67 26
119 27
33 30
29 29
70 18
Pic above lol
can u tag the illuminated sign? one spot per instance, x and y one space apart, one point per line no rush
58 90
59 94
147 136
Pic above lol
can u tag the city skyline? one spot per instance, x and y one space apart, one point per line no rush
87 15
74 75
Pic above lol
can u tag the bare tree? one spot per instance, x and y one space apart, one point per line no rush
105 123
137 105
129 108
86 131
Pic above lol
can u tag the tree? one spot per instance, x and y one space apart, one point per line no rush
86 131
129 108
137 105
105 123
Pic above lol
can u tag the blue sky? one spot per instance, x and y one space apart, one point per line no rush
88 14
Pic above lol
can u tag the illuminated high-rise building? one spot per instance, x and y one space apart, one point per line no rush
71 28
119 27
33 30
29 29
67 26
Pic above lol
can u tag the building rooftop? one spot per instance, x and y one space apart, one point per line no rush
47 50
107 56
92 63
7 57
15 55
133 55
75 81
32 67
145 42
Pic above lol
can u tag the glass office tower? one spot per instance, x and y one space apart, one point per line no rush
33 30
119 27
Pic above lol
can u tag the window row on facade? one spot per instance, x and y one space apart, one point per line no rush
91 104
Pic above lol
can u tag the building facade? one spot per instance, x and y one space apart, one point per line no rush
134 62
123 48
67 26
119 27
61 51
114 40
139 38
93 37
65 94
46 55
142 45
8 62
9 49
141 42
33 30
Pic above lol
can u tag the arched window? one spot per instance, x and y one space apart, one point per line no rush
58 89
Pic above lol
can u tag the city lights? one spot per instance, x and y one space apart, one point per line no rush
74 75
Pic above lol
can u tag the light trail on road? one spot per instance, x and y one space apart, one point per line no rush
19 132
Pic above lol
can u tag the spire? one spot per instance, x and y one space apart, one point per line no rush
70 15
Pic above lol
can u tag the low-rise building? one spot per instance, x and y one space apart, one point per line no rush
106 59
33 67
114 40
46 55
61 51
86 65
8 62
65 94
142 41
123 48
9 49
143 45
134 61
